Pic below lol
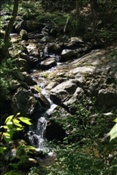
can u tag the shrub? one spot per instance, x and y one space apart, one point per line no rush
84 151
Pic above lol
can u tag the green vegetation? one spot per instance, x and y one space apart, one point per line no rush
113 132
85 150
7 68
12 125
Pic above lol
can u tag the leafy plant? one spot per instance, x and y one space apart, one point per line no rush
113 131
13 124
34 171
7 68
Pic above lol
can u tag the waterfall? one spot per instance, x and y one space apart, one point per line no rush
37 134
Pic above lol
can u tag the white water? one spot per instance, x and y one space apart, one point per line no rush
37 134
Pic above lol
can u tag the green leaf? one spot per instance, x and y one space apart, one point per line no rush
17 122
9 123
7 137
36 88
113 132
6 134
115 120
9 119
2 149
30 147
25 120
5 127
19 129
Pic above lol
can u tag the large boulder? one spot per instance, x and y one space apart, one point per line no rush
107 97
24 102
63 92
24 77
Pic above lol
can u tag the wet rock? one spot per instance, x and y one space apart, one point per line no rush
25 103
48 63
44 101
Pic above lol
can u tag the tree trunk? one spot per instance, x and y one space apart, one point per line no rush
93 17
5 47
77 8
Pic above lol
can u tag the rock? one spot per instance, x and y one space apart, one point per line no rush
44 101
32 25
33 62
24 77
107 97
15 84
51 85
83 70
29 163
48 63
33 50
24 34
78 95
45 39
54 48
21 25
25 103
63 92
67 54
24 56
75 42
55 32
23 65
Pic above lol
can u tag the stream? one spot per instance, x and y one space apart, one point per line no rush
37 133
40 52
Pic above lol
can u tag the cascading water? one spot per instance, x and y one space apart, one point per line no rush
37 135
